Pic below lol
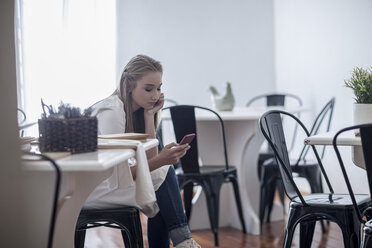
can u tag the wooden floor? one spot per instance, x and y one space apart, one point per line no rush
272 237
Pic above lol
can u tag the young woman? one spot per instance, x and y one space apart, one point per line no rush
134 107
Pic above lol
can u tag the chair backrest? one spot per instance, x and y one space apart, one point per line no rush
184 122
366 137
275 99
159 132
278 99
324 115
272 128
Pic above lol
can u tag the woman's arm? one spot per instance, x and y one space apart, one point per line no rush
150 124
170 154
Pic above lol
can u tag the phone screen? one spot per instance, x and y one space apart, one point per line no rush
187 138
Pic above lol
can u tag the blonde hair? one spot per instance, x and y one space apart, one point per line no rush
136 68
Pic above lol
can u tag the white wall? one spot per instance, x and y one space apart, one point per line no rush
201 43
317 44
304 47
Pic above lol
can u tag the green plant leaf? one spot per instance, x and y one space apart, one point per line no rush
361 84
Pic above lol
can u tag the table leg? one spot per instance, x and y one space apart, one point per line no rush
78 188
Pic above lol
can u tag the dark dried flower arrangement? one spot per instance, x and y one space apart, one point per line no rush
65 111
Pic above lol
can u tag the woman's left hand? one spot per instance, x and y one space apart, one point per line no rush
158 105
171 153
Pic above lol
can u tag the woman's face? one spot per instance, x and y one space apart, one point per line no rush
147 91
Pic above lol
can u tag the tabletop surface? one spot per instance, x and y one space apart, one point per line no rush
345 139
99 160
240 113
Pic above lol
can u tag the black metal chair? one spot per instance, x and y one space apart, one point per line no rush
126 219
366 138
302 167
270 172
307 209
209 177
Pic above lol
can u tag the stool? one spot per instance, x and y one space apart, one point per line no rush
126 219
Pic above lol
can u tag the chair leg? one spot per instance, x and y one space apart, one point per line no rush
261 159
80 238
290 227
288 236
306 233
127 238
212 191
350 239
131 231
238 203
268 186
367 237
131 238
212 202
351 232
272 185
187 199
262 204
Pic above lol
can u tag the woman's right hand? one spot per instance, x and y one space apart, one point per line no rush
172 152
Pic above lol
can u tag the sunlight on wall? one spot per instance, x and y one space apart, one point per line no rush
69 52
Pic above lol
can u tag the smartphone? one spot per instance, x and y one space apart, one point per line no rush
187 138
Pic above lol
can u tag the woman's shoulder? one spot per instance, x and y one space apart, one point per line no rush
109 102
110 114
112 102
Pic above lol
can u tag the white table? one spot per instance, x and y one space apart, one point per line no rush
244 140
81 173
344 139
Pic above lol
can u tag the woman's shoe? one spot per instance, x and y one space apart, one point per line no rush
188 243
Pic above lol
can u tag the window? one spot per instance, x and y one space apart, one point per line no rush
66 53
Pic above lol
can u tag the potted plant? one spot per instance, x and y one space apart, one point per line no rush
361 84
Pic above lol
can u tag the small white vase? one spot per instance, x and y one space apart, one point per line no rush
362 114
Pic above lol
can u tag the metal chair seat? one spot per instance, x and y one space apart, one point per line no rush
126 219
336 200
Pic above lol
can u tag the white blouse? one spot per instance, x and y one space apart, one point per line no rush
111 192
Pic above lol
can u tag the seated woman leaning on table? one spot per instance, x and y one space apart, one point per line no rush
134 107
